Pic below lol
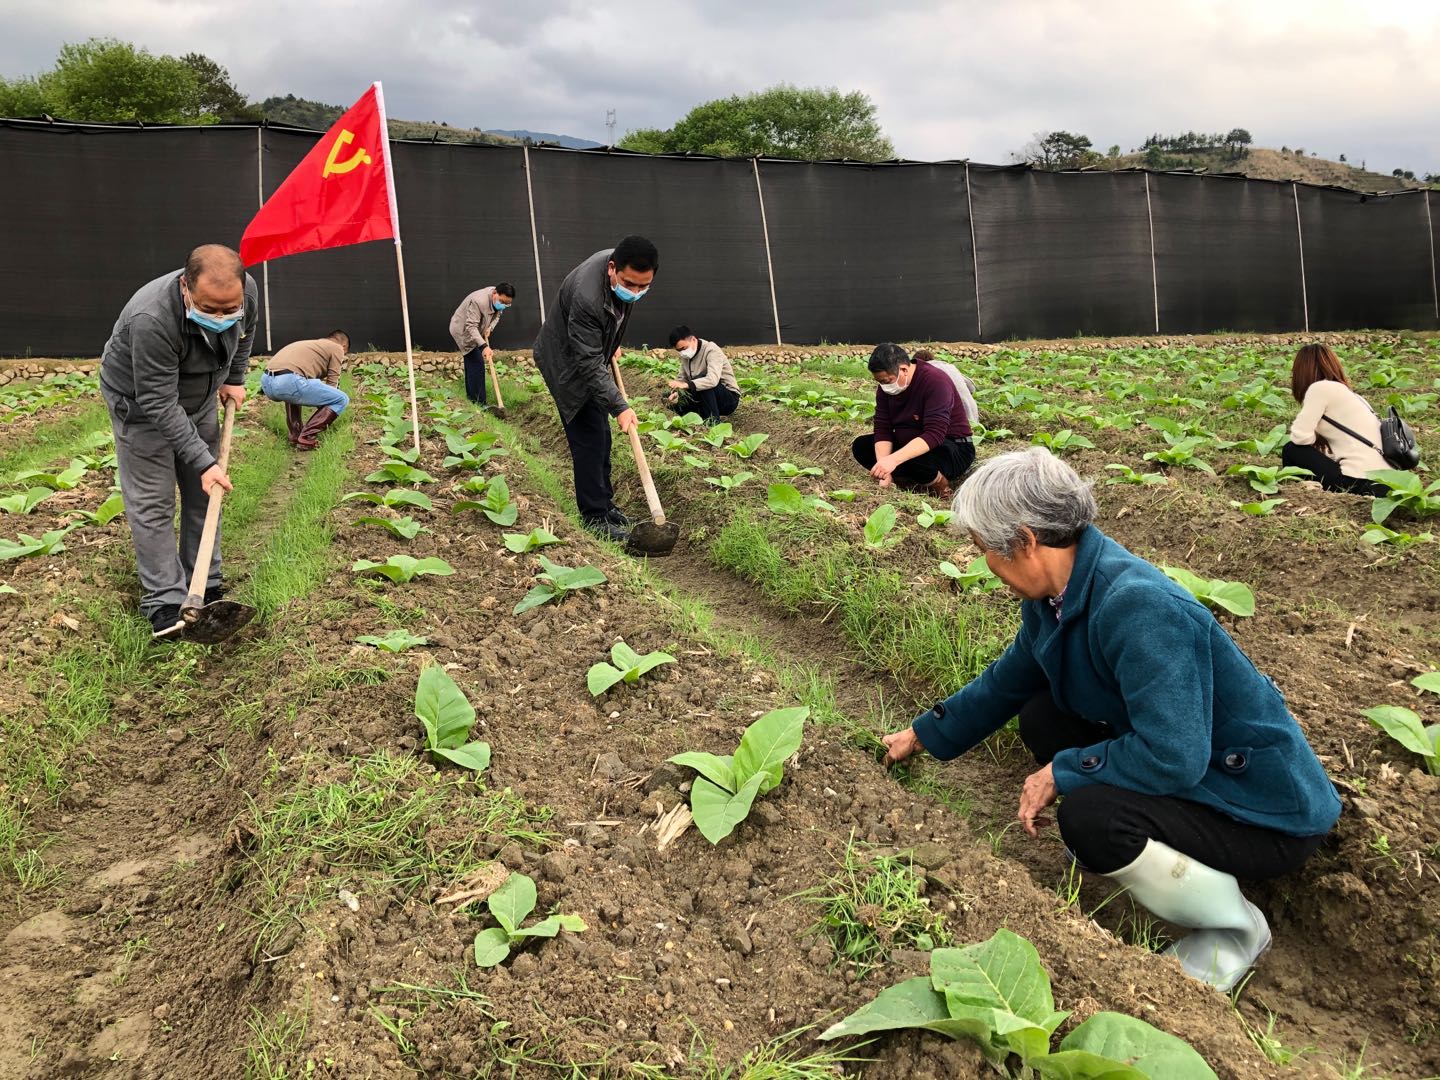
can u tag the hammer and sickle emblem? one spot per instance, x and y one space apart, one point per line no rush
360 157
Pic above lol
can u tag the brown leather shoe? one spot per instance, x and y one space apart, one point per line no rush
941 489
309 437
293 421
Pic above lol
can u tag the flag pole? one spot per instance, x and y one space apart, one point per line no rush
399 265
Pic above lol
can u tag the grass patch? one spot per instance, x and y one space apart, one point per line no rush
274 1049
56 441
392 823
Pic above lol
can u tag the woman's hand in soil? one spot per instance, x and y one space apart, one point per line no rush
676 384
900 745
1038 793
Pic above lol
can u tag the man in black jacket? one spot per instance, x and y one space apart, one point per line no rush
581 334
182 342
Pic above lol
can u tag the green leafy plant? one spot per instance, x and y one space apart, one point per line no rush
1406 728
1062 440
1124 474
790 471
668 441
879 525
497 504
844 495
977 576
406 527
1404 491
395 497
1263 508
747 446
929 517
786 499
22 502
628 666
511 904
729 483
717 435
403 568
696 462
535 538
1266 479
1232 596
1380 534
399 472
103 514
556 581
66 480
997 993
728 785
51 543
1181 452
1267 444
448 716
393 642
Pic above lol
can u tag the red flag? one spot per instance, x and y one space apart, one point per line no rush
343 192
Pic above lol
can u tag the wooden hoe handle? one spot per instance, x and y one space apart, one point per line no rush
196 600
657 512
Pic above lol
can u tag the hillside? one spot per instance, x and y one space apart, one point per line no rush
314 114
1263 164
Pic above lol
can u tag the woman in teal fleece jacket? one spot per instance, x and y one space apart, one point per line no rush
1179 765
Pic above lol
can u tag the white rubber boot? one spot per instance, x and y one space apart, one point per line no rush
1230 932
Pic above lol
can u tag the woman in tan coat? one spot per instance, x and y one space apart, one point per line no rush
1319 440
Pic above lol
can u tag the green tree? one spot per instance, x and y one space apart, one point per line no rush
1056 150
217 96
783 121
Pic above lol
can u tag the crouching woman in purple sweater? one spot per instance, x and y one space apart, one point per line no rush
1178 766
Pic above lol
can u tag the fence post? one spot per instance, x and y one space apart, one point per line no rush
1154 278
769 265
260 191
974 251
1434 282
1300 237
534 236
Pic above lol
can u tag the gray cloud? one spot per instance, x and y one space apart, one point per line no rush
949 80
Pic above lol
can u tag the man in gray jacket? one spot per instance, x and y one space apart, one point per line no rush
582 333
181 342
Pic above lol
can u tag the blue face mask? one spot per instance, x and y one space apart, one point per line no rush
499 306
626 295
211 322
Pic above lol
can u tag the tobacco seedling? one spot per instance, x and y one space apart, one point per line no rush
786 499
717 435
511 903
497 504
1380 534
520 543
1124 474
406 527
103 514
22 502
845 495
1266 479
399 472
66 480
556 581
729 483
879 525
696 462
1404 491
1062 440
976 576
1263 508
628 667
403 568
393 642
747 446
930 517
393 498
790 471
997 993
51 543
1265 445
728 785
1232 596
1406 728
1182 452
668 440
448 716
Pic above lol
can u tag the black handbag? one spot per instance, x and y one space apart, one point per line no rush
1397 440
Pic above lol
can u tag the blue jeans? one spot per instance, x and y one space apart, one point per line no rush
298 390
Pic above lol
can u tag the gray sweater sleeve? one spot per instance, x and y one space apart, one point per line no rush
155 366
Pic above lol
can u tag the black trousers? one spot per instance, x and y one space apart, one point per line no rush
1106 827
1327 470
719 400
475 375
953 457
588 434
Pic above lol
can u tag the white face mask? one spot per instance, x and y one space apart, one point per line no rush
688 354
891 388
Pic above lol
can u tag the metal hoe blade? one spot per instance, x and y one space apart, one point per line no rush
215 622
647 538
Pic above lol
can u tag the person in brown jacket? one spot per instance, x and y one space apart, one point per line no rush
308 373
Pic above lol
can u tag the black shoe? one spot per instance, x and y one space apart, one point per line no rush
215 592
606 529
616 516
165 621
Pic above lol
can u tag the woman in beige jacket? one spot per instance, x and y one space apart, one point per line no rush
1338 459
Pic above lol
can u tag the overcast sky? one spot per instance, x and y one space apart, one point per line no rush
950 80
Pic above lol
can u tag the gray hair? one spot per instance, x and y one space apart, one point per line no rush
1025 489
